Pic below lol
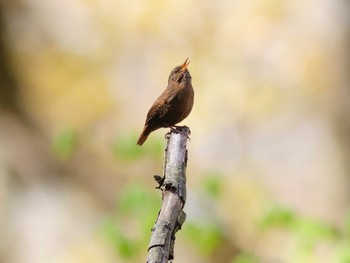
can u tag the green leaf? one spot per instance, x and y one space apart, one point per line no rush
312 232
245 257
278 216
64 144
347 225
206 237
136 199
125 147
343 252
212 184
125 247
136 211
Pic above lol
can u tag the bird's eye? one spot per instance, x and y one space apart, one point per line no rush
180 79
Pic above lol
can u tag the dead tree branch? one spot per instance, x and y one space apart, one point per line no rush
173 185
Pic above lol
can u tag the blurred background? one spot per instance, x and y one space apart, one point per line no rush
269 156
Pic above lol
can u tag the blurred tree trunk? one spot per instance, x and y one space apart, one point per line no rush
8 87
341 99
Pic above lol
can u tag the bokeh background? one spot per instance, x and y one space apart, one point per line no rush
269 156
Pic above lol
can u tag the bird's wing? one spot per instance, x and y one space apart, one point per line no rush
161 105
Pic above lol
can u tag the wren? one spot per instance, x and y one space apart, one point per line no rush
173 105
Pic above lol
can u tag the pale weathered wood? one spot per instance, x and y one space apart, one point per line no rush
170 217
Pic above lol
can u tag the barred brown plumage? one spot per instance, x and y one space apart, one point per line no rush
173 105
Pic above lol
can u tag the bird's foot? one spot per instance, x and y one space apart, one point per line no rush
179 129
167 135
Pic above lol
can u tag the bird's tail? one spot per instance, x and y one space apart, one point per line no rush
144 135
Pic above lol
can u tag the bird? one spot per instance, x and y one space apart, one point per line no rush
173 105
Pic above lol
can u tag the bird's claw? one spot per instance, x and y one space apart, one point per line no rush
177 129
167 135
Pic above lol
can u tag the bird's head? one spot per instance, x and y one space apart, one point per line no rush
180 74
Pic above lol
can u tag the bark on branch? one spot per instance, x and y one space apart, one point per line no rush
173 185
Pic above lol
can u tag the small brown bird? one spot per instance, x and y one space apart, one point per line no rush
173 105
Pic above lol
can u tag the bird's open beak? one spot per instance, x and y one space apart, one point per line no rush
185 64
